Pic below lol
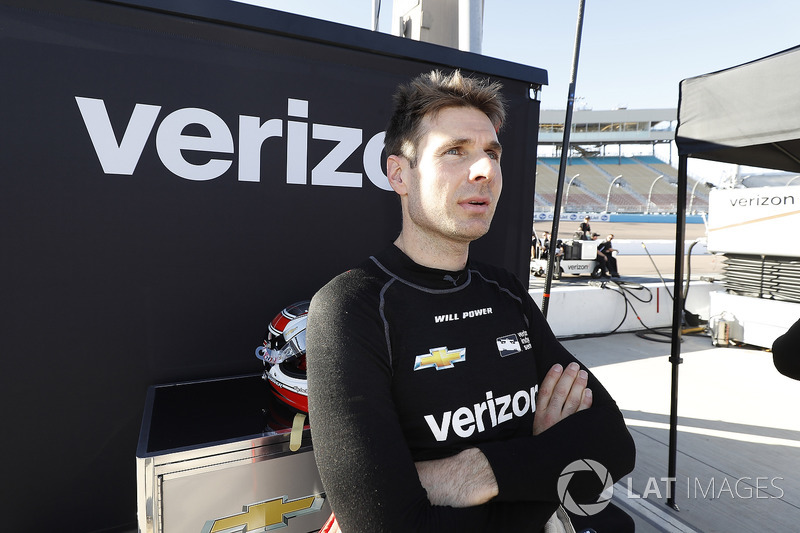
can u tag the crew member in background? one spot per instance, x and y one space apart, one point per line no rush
424 365
600 257
586 228
542 246
606 249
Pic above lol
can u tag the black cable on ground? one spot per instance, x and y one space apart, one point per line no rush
664 334
691 319
649 333
626 290
623 288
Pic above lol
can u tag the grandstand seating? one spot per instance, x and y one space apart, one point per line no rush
642 184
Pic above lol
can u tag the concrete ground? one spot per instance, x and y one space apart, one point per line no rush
738 435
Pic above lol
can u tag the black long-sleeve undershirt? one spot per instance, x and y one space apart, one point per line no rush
407 363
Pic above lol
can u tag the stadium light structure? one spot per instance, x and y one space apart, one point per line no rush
566 199
608 196
691 199
650 194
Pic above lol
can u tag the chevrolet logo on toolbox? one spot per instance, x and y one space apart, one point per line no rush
265 516
440 358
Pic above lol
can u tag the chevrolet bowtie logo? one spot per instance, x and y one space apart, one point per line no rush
440 358
266 516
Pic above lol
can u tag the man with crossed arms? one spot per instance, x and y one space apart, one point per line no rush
439 398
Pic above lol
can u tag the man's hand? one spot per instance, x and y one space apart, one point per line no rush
463 480
562 393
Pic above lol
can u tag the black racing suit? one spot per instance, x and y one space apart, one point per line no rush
408 363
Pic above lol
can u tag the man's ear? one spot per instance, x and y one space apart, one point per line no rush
396 168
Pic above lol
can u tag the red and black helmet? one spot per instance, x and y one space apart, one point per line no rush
284 355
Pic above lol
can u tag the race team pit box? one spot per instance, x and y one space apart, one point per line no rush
213 457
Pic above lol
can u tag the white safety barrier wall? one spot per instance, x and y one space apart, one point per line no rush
601 307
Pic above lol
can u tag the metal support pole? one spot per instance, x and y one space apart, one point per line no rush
470 25
376 13
562 167
677 324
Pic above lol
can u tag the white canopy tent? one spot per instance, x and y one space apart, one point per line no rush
747 115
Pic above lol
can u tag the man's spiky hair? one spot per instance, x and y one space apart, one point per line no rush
428 94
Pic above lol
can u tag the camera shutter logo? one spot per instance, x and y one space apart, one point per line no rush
585 509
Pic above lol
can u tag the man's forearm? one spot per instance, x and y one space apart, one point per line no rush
463 480
467 479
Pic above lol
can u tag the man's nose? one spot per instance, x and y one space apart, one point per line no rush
484 168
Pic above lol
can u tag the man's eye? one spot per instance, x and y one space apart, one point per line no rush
453 151
494 155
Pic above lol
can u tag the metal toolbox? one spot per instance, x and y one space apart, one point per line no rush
580 250
213 457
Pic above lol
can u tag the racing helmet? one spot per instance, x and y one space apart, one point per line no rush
284 355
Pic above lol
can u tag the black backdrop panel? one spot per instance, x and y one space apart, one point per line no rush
169 185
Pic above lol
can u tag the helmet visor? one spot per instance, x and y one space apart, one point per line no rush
280 347
286 335
295 347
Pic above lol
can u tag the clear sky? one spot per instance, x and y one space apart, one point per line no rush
633 52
